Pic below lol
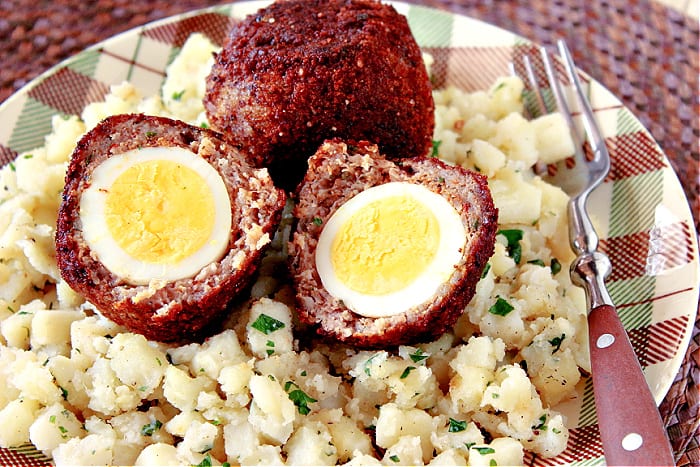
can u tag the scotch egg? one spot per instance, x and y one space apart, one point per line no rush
162 224
387 252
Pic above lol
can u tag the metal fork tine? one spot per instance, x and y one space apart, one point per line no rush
594 136
532 81
562 104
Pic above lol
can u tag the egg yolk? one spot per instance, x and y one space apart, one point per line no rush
160 211
385 246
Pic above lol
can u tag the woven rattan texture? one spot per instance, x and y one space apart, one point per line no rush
645 53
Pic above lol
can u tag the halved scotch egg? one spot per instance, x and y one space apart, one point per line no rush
387 252
162 224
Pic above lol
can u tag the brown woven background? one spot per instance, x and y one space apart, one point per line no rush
645 53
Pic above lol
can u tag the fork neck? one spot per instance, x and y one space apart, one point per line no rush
582 235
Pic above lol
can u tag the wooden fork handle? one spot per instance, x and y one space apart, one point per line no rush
630 425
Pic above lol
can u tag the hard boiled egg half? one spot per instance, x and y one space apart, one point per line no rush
389 248
156 213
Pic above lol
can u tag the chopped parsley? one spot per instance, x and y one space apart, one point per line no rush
300 398
484 450
541 425
149 429
486 270
538 262
368 364
418 356
395 458
436 148
501 307
456 426
407 372
206 462
317 221
555 266
556 342
267 324
499 86
150 134
178 95
513 236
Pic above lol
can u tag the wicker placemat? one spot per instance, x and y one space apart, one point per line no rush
645 53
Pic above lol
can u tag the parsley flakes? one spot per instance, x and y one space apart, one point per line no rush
556 342
418 356
178 95
267 324
149 429
542 425
436 148
501 307
555 266
300 398
513 237
456 426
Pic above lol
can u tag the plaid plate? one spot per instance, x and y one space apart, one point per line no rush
645 223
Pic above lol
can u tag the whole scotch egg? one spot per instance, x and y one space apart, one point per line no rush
162 224
387 252
298 72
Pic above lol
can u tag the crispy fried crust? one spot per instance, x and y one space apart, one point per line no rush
339 171
301 71
177 310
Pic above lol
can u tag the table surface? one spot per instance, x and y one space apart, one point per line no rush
643 51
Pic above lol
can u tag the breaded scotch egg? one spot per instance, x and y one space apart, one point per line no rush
298 72
162 224
387 252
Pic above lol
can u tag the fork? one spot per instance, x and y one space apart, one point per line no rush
631 429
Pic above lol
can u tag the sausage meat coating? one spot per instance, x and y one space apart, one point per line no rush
178 310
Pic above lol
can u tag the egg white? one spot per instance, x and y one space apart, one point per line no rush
449 252
113 256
